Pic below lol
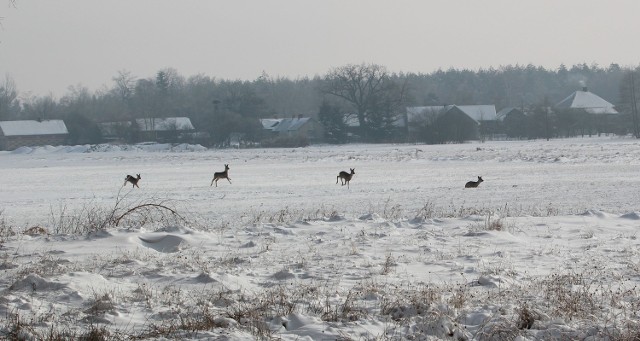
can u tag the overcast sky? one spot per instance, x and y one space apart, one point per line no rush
46 46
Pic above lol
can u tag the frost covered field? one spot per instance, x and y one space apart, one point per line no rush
546 248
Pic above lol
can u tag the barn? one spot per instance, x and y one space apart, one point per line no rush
16 134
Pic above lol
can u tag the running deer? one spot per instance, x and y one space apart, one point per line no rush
345 177
132 180
221 175
473 184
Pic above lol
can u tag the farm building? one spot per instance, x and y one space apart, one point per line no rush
449 123
588 102
15 134
585 113
301 127
163 129
513 122
170 129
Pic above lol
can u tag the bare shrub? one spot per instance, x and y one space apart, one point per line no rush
283 216
404 303
35 231
459 296
88 218
6 230
181 325
392 211
570 295
389 263
346 309
526 317
425 212
500 328
91 217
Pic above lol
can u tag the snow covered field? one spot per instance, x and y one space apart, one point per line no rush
545 248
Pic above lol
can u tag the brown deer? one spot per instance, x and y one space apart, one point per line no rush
132 180
221 175
345 177
473 184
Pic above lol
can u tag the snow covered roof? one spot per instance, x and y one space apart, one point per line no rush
479 112
587 101
476 112
269 123
33 127
164 124
284 124
506 111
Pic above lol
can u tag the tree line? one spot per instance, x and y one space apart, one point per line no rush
366 95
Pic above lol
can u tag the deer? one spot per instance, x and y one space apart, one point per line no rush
132 180
345 177
221 175
473 184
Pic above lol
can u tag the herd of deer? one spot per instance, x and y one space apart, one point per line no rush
343 177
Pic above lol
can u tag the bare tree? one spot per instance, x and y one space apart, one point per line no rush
363 86
125 83
8 96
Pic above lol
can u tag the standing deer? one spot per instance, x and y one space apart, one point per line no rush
132 180
345 177
473 184
221 175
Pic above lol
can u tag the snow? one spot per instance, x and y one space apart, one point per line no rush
545 248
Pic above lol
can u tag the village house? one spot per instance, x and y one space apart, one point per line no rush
513 122
585 113
170 129
588 102
296 127
16 134
449 123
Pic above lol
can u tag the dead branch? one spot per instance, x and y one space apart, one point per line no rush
148 205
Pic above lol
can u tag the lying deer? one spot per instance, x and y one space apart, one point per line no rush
221 175
132 180
473 184
345 177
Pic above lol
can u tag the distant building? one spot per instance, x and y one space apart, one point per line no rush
585 113
15 134
513 122
170 129
509 111
587 102
445 123
302 127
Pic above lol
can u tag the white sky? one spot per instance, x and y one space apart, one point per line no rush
46 46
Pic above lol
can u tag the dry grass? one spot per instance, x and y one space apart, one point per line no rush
436 309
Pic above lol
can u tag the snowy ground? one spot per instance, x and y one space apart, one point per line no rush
545 248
